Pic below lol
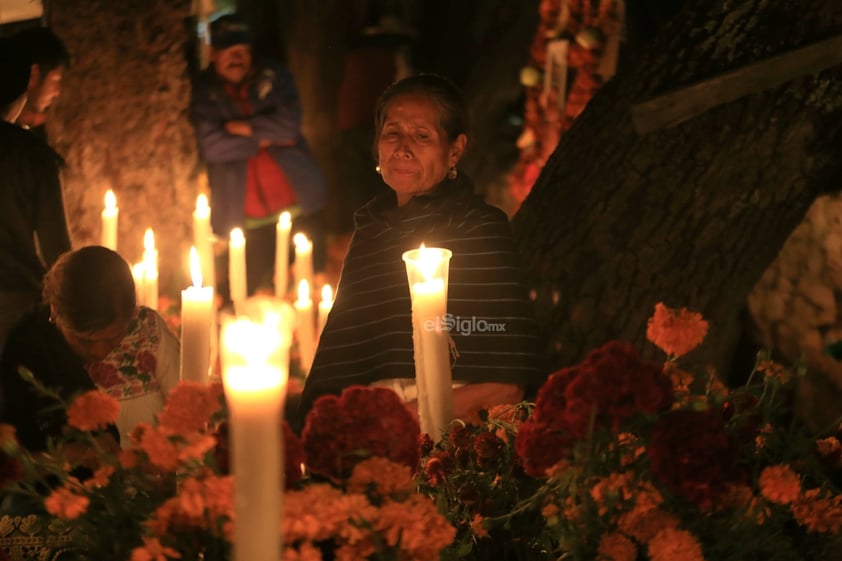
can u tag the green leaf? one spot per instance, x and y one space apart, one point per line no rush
834 350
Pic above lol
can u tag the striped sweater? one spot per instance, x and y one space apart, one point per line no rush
368 335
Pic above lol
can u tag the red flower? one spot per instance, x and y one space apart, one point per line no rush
692 456
293 453
541 445
487 446
104 374
146 362
614 384
360 423
293 456
552 400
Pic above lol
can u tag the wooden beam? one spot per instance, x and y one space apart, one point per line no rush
682 105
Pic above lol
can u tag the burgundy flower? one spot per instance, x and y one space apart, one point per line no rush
360 423
104 374
293 456
540 445
487 446
692 456
146 362
613 385
551 401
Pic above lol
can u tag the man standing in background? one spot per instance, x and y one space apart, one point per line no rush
248 125
49 58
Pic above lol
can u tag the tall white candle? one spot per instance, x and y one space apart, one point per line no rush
427 270
237 285
282 230
109 221
255 389
203 239
325 306
150 270
305 328
303 259
139 283
196 322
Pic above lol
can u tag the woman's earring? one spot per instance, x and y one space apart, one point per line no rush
452 173
377 169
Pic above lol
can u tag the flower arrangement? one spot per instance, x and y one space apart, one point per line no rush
624 459
618 459
169 495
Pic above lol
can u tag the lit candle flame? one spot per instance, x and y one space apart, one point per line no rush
327 294
202 206
195 267
285 220
428 262
149 240
300 240
237 236
110 201
303 291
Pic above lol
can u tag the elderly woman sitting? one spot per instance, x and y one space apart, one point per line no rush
421 134
88 334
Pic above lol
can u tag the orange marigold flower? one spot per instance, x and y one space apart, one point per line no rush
153 550
675 545
643 524
818 514
305 552
385 476
355 551
676 332
417 525
197 446
64 503
477 526
774 370
188 409
100 477
779 484
128 459
616 547
829 447
549 510
612 489
93 410
162 453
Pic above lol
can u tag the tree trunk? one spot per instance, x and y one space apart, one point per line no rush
692 214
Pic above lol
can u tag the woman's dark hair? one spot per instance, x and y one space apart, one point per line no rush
453 112
90 289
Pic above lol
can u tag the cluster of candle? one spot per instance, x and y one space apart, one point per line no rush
255 354
197 300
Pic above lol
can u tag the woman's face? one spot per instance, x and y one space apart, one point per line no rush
413 151
93 346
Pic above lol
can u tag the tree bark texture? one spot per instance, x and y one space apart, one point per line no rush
689 215
122 123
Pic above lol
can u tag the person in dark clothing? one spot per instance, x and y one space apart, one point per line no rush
248 125
421 125
49 59
33 227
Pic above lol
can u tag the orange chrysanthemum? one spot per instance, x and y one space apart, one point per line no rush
93 410
779 484
616 547
675 545
162 453
153 550
386 477
477 527
64 503
818 514
829 447
416 526
304 552
676 332
100 477
774 370
188 408
643 523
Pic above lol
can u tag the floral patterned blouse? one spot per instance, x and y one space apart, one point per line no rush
141 371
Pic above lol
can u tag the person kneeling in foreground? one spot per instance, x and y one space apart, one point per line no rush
88 334
421 125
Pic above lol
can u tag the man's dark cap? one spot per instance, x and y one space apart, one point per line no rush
229 30
14 72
